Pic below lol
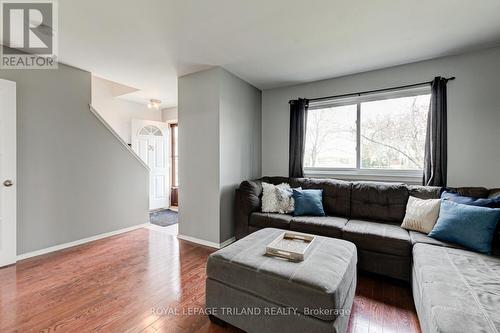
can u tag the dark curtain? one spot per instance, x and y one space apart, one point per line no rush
298 121
436 142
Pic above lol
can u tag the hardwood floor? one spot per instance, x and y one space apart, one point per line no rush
134 282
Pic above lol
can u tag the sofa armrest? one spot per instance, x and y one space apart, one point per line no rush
247 201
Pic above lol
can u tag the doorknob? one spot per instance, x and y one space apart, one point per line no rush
8 183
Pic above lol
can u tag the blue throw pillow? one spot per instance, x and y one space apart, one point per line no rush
472 201
308 202
470 226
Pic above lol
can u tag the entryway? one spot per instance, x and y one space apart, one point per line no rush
150 142
156 144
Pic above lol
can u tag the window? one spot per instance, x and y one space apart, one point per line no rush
376 136
331 137
175 155
150 130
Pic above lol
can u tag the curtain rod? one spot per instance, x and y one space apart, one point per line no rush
376 91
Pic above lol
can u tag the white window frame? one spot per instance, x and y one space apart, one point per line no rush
357 173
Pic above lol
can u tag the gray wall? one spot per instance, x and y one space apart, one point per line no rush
199 195
74 178
473 112
169 114
219 146
240 157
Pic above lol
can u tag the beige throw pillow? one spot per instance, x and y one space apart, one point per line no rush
421 215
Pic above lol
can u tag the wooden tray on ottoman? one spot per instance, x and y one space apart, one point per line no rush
290 245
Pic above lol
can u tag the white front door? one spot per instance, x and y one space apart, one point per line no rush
7 172
150 142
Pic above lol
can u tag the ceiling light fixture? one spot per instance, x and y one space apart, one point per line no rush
154 104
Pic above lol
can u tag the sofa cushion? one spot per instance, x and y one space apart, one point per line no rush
478 192
322 281
330 226
378 237
494 192
336 193
273 202
308 202
265 220
470 226
421 215
455 290
418 237
424 192
492 202
384 202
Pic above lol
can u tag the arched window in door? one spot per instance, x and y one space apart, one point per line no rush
150 130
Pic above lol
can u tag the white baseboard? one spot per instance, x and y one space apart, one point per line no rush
207 243
227 242
77 242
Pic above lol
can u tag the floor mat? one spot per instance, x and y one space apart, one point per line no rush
163 217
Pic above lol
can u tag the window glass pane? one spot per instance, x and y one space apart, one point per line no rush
150 130
331 137
174 155
175 131
393 133
176 173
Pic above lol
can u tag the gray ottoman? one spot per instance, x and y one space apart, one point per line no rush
258 293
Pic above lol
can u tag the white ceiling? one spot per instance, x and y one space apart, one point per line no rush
269 43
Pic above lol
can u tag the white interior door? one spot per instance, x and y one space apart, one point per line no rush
7 172
150 142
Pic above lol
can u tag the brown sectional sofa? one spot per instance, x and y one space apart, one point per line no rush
369 214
